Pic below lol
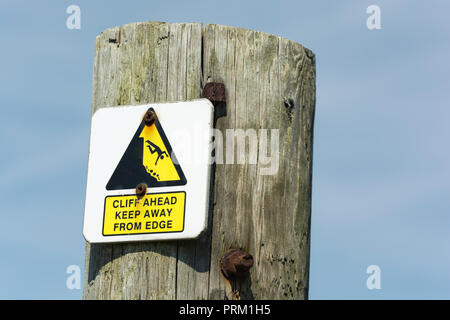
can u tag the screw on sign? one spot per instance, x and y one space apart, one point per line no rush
141 190
150 117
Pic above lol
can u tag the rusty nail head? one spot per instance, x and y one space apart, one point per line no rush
141 190
215 92
149 117
235 263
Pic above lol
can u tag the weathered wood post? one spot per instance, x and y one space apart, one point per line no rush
270 84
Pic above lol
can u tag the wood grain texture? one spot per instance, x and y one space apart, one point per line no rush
266 215
135 64
270 84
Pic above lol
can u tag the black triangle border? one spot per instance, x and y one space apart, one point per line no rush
173 158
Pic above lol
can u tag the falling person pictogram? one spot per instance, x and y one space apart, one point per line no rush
148 159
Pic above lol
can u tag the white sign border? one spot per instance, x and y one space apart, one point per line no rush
100 169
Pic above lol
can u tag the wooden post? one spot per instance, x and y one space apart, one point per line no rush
270 84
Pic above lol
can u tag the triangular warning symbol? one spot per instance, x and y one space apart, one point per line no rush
149 158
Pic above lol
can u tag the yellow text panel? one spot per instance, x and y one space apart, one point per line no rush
154 213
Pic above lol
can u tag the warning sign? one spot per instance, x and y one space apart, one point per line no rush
149 172
154 213
148 159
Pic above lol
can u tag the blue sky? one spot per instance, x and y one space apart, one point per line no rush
381 157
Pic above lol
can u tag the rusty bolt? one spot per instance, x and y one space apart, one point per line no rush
215 92
235 263
141 190
149 117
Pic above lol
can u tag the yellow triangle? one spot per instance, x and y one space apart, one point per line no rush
155 157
